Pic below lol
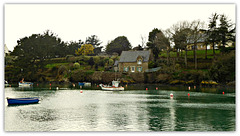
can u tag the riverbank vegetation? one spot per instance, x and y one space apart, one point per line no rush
187 54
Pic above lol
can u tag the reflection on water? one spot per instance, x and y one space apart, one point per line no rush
135 110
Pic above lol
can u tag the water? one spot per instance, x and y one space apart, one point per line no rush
67 109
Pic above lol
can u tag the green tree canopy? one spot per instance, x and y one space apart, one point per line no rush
93 40
118 45
223 68
152 42
72 46
38 47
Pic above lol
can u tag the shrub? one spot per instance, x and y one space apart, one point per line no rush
91 61
77 76
223 68
110 62
61 70
76 65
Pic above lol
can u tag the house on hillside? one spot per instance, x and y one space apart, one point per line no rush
134 61
201 42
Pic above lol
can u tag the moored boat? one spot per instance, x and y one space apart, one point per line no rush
6 83
81 84
115 86
22 83
19 101
25 84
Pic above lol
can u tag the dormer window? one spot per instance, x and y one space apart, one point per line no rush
139 62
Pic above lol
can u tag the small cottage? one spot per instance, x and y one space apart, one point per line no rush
134 61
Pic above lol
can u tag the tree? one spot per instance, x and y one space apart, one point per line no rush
32 50
86 49
181 33
143 41
95 41
212 31
91 62
151 42
223 68
224 29
72 46
196 35
138 48
163 42
118 45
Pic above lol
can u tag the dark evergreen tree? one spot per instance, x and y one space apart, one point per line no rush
118 45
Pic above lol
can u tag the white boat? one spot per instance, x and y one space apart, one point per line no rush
6 83
25 84
114 87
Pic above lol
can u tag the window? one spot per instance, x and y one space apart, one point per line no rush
125 69
133 69
139 69
139 61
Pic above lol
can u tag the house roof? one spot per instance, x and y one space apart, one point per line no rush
131 56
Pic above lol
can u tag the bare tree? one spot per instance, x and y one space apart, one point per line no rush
143 41
196 35
181 36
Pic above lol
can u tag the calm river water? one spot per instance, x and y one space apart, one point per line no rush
67 109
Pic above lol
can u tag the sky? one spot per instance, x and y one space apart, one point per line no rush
72 22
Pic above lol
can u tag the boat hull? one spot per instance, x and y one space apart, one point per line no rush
81 84
25 84
112 88
19 101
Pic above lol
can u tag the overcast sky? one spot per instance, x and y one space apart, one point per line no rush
72 22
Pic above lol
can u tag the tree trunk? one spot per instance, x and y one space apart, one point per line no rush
206 52
195 55
213 50
177 55
185 58
168 57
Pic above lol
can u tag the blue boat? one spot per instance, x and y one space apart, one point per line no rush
81 84
19 101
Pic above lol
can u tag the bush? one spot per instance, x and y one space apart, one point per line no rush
91 61
151 64
110 62
61 70
76 65
77 76
223 68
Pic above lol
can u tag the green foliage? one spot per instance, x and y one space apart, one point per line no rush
54 65
68 57
72 46
93 40
151 42
96 59
86 49
76 65
62 70
110 62
77 75
223 68
151 64
91 61
118 45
